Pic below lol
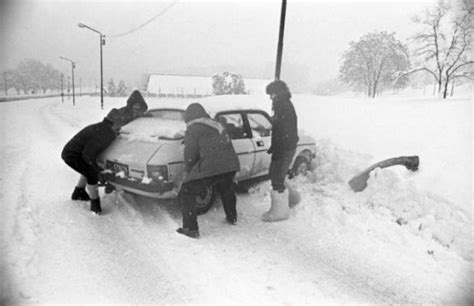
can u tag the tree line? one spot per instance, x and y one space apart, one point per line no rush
32 76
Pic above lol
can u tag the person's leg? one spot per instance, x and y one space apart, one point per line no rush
187 198
92 178
279 170
81 183
225 186
79 192
279 209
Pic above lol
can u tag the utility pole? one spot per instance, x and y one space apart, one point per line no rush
62 91
101 42
280 40
68 88
73 65
5 81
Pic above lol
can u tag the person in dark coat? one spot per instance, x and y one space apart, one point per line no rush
209 158
282 149
80 153
136 107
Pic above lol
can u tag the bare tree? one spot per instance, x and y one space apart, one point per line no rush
444 44
374 62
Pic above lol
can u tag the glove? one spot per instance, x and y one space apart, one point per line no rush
180 179
101 178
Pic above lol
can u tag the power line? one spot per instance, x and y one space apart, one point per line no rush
146 23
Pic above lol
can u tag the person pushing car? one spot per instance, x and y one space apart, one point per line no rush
80 153
209 159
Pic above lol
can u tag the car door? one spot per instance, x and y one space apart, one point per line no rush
261 137
235 125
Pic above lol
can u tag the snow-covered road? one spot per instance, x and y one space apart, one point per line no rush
334 249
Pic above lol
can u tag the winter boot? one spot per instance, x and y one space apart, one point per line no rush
80 194
188 232
294 197
279 210
95 206
231 220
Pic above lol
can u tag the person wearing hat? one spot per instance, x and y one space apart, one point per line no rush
282 149
136 107
209 159
80 153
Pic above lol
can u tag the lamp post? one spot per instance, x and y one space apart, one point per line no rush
101 42
73 65
62 91
5 81
280 40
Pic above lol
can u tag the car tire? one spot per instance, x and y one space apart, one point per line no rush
300 167
205 199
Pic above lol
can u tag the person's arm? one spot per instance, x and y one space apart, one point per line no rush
191 150
277 122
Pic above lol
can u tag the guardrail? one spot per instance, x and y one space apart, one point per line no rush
28 97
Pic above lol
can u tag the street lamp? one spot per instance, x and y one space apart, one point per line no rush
101 42
280 40
73 65
5 81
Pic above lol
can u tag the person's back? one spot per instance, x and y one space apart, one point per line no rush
210 160
90 140
213 145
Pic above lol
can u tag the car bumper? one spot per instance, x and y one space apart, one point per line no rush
158 190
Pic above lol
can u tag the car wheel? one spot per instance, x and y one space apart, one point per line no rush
205 199
300 167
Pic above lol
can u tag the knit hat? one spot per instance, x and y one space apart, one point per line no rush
195 111
278 88
115 117
136 97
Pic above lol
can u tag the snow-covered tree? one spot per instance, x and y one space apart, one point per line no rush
444 42
372 62
111 88
32 75
228 84
121 89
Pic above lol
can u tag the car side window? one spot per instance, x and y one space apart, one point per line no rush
259 124
234 125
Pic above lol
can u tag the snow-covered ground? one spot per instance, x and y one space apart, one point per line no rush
337 247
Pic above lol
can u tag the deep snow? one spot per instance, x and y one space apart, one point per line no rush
337 247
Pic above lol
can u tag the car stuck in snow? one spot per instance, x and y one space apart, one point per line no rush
147 157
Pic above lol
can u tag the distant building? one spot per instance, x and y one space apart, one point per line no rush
186 85
256 86
179 85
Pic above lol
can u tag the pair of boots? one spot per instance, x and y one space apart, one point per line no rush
281 202
80 194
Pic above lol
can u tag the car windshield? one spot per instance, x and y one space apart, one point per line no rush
171 114
156 125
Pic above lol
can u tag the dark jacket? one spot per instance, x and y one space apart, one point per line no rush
126 112
285 127
208 149
89 143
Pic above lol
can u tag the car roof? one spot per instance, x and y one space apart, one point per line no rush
217 104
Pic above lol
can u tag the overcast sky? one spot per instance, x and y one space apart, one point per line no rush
195 37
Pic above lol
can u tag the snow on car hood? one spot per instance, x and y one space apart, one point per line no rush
152 129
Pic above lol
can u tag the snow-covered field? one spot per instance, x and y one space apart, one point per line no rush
337 247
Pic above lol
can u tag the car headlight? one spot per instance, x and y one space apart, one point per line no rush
158 173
